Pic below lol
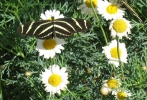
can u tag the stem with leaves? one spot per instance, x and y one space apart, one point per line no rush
99 22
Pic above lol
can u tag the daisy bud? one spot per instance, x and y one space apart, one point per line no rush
28 73
104 90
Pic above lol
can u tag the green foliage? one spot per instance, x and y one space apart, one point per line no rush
86 65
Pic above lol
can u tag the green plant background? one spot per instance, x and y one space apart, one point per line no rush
86 65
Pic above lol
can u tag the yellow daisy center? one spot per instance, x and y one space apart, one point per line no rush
113 83
54 80
114 52
50 18
121 95
120 26
94 3
49 44
112 9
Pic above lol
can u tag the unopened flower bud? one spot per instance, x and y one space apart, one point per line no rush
28 73
104 90
144 68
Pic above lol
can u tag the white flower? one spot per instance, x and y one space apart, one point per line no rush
48 48
49 14
111 53
86 6
111 84
55 79
110 10
121 94
120 27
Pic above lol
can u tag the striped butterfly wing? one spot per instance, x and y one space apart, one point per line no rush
61 28
36 28
67 27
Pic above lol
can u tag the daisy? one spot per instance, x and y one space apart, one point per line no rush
48 48
55 79
86 6
121 94
120 27
111 53
110 10
49 14
111 84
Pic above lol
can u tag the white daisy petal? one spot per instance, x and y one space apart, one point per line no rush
43 17
55 69
55 85
47 14
57 50
52 53
60 47
82 6
47 56
57 13
54 12
60 41
61 16
63 70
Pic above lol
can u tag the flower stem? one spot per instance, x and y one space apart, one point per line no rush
39 94
117 39
51 61
8 50
99 22
121 65
71 94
